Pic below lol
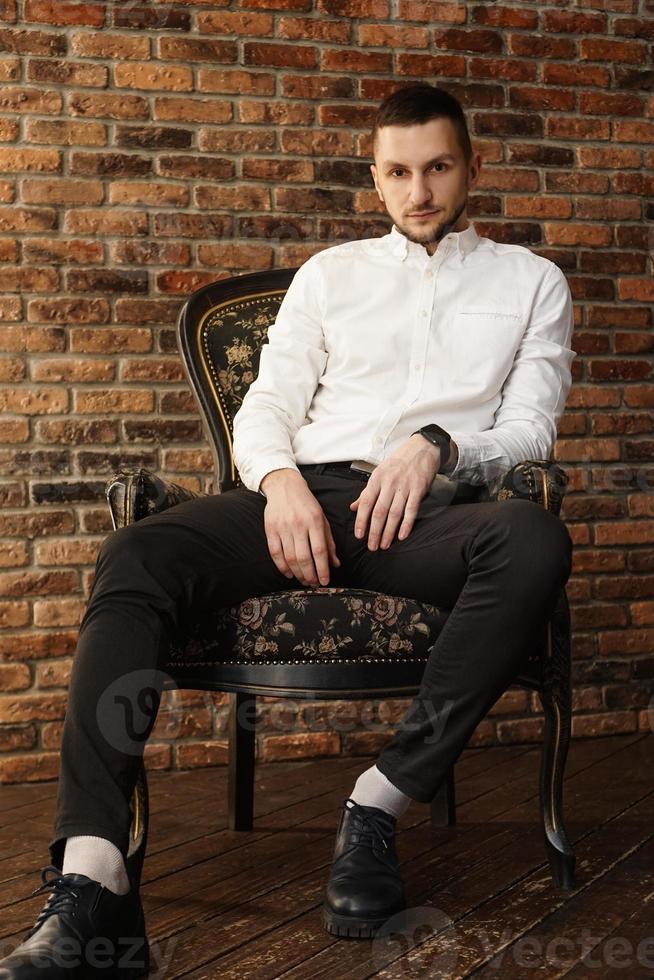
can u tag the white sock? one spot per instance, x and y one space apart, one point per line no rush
99 859
372 788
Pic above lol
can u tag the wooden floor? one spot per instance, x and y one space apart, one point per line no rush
221 904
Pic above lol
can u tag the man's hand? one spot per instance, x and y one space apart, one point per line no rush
394 491
300 540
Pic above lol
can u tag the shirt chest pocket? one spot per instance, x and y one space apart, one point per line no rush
484 344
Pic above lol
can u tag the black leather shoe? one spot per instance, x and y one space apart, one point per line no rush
83 931
365 887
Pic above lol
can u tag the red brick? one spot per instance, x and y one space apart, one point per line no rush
428 64
196 49
73 432
34 401
113 401
64 310
20 279
528 97
78 73
275 113
608 158
62 191
573 22
235 82
610 104
150 253
236 256
507 68
238 197
115 222
240 24
32 100
633 132
33 42
607 50
576 128
638 289
61 14
150 192
537 207
68 369
505 17
555 74
108 105
310 29
576 234
193 110
149 76
11 369
536 46
14 430
111 340
110 46
373 9
430 11
68 251
65 132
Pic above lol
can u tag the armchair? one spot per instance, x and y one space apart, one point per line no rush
280 643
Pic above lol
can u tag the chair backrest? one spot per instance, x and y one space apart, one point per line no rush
221 329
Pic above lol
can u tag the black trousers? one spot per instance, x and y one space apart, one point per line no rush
497 565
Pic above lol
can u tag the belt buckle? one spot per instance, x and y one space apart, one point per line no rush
362 468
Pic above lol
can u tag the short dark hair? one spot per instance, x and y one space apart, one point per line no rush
418 103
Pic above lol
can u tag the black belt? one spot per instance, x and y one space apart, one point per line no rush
337 469
462 491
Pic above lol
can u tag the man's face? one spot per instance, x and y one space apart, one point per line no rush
422 168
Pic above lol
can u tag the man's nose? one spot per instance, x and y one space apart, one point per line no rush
420 193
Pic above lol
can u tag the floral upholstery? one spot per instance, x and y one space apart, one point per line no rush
325 624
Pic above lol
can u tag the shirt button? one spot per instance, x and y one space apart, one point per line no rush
430 273
423 312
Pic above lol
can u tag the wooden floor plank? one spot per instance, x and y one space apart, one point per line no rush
223 904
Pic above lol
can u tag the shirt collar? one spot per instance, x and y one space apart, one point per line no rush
465 241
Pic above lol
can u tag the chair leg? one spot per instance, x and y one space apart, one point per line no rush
443 805
240 773
556 698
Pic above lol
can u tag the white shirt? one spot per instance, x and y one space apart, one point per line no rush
376 338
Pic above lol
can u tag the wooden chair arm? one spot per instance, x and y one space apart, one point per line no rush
539 480
132 495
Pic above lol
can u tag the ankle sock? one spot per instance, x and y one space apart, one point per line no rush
372 788
99 859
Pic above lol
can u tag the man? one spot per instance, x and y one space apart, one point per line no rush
425 353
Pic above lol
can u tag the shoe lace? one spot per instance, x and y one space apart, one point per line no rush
63 898
369 829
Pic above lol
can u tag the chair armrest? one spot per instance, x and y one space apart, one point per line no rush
137 494
539 480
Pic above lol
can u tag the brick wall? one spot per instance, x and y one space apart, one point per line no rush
148 149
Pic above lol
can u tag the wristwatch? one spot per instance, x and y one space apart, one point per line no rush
438 437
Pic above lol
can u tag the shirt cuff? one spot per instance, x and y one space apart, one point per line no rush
252 479
468 457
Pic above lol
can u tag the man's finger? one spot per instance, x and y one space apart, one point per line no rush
395 515
320 553
379 517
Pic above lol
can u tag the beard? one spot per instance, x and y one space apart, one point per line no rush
442 228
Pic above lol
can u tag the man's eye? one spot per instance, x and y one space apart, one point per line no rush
398 170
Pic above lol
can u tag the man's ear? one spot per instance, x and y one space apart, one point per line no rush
373 170
476 168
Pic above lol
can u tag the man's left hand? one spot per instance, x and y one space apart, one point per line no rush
394 491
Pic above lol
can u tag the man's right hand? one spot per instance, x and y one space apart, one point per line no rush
300 540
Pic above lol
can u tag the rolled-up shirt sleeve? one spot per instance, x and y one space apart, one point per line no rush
292 361
533 395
